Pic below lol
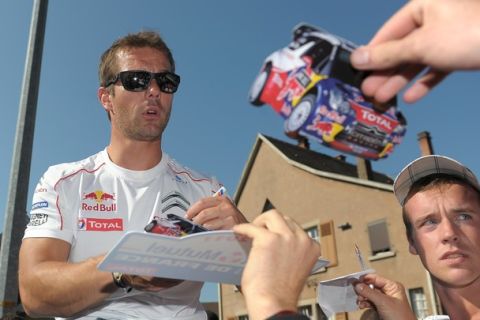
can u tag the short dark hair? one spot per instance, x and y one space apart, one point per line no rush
428 183
108 67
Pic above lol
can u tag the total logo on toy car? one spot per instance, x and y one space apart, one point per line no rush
313 86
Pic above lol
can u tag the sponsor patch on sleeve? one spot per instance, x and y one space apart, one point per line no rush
40 204
37 219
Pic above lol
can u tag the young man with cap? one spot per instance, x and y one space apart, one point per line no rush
440 198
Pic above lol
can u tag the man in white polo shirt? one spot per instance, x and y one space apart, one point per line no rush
81 209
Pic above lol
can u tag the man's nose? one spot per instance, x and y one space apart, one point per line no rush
449 231
153 89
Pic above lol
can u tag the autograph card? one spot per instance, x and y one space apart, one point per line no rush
210 256
337 295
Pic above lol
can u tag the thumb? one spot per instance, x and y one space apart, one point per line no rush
374 296
249 230
385 55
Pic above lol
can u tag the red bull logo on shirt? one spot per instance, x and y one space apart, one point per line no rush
99 201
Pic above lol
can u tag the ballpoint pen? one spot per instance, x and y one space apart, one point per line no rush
220 192
360 258
361 261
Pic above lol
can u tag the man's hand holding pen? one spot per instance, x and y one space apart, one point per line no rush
215 213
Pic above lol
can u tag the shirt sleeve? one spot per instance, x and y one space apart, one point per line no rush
46 217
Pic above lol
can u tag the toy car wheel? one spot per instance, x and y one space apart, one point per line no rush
257 87
299 116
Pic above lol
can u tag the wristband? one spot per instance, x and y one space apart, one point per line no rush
119 282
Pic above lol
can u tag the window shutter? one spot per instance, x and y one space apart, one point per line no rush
341 316
327 241
378 234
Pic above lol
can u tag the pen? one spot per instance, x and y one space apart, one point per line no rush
360 258
361 261
220 192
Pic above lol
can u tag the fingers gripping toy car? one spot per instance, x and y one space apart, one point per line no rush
313 86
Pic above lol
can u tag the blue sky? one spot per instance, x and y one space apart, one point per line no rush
219 47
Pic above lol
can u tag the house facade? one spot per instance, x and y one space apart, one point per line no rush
337 208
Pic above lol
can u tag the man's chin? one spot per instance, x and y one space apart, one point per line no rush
149 135
458 278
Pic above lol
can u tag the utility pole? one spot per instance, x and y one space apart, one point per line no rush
16 213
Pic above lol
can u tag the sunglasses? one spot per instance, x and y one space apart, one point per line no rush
139 80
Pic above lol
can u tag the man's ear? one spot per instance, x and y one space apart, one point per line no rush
104 98
411 247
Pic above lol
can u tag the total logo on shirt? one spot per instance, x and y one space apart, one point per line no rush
93 224
99 201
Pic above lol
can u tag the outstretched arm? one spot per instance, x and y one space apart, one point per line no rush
425 38
280 260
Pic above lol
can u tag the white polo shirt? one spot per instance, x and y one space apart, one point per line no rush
93 202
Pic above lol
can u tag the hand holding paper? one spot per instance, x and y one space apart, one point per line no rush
281 259
388 298
338 295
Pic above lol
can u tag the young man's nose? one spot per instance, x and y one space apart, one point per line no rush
449 231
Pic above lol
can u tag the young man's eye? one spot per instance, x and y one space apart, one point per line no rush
427 223
464 216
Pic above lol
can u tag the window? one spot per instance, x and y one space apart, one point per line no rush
419 302
306 311
323 234
313 233
378 235
267 206
343 70
320 314
320 53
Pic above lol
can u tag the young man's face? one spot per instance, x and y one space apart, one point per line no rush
446 233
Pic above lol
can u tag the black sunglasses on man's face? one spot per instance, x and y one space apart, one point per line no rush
139 80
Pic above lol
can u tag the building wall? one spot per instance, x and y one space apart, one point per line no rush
312 200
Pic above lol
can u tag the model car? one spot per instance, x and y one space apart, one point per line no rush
173 225
312 85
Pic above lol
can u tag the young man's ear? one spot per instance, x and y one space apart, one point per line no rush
104 98
411 247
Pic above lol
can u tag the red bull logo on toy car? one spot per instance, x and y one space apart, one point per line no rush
99 201
331 114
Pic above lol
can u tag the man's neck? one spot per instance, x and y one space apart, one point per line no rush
135 155
460 303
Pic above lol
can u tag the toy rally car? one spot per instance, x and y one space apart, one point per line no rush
312 84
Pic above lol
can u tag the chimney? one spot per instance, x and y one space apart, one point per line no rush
425 142
364 169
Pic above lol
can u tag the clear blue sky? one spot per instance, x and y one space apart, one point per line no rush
219 47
